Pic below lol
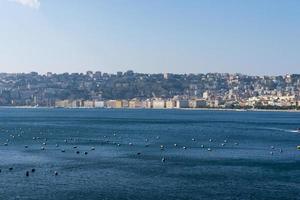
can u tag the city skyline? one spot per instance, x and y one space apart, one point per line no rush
138 90
255 38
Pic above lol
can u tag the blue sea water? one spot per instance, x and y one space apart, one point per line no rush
218 154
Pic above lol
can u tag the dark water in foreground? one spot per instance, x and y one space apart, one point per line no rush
250 165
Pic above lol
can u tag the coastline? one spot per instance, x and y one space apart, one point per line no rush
189 109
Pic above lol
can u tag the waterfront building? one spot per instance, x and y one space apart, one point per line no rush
89 104
63 103
135 103
197 103
171 104
114 104
182 103
159 103
99 104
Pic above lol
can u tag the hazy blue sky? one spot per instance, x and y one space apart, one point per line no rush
182 36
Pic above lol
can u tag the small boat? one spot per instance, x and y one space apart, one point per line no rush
298 147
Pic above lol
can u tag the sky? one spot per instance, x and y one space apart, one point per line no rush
256 37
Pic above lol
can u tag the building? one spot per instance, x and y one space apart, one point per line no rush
63 103
159 103
171 104
135 103
99 104
197 103
88 104
182 104
114 104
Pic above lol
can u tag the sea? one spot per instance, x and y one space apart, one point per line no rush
143 154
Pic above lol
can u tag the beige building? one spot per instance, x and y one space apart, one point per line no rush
159 103
170 104
63 103
114 104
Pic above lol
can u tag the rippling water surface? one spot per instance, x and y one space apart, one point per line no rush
206 154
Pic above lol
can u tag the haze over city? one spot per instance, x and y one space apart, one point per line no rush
251 37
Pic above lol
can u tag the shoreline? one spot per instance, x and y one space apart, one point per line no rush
189 109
